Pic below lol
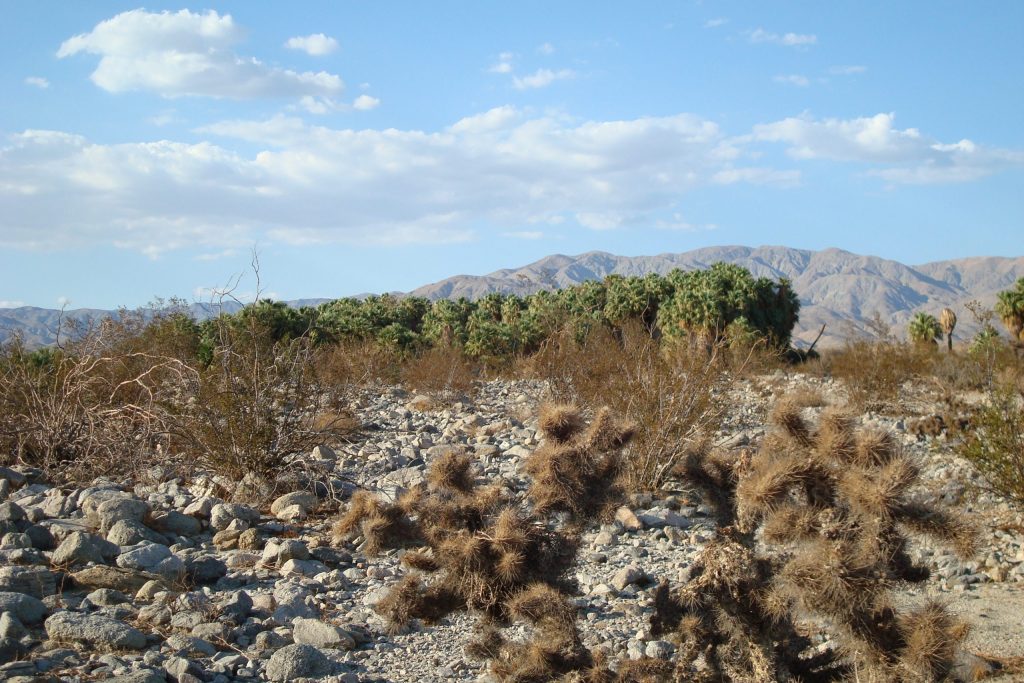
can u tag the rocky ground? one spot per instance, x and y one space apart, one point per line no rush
167 580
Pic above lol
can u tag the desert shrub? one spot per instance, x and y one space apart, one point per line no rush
673 392
503 557
441 372
837 506
874 371
996 443
254 404
350 364
87 408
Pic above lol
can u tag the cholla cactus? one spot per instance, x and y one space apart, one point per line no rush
947 319
840 503
502 557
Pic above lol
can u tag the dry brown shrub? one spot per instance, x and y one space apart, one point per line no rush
90 407
875 371
441 372
673 393
351 364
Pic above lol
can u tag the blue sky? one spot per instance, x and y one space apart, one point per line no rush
381 146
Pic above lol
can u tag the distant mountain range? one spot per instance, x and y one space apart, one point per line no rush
838 288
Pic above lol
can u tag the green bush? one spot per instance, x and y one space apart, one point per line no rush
996 444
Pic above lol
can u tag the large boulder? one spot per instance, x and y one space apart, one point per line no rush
223 514
27 609
131 532
111 511
125 580
153 558
174 522
38 582
298 661
80 548
321 634
96 631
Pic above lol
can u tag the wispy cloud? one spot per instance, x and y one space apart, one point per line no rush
541 78
316 45
7 303
216 255
793 79
37 82
176 54
759 35
716 22
503 65
848 70
525 234
546 49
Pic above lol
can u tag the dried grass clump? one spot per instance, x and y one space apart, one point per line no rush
841 504
504 558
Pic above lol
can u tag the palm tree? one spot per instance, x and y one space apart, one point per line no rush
924 329
1010 307
948 321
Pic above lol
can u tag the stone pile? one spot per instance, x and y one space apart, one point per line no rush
175 580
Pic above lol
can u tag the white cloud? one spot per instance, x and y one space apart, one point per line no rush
309 184
7 303
911 157
37 82
499 170
677 222
216 255
316 44
759 35
541 78
848 70
793 79
365 103
164 118
503 65
525 234
716 22
546 49
177 54
63 301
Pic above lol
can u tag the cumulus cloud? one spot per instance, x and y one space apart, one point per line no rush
37 82
308 184
365 103
541 78
793 79
759 35
911 157
498 170
316 44
177 54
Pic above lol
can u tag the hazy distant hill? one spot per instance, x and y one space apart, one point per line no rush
835 287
